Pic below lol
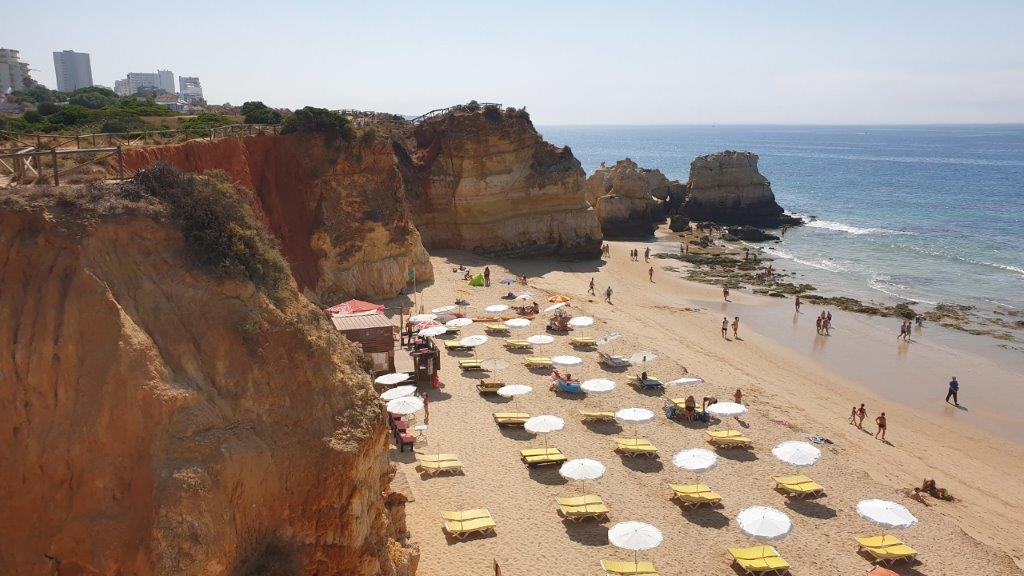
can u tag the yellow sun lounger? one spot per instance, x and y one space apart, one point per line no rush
798 485
694 495
587 416
537 456
538 362
728 439
496 328
582 341
470 365
886 549
623 567
510 418
452 346
489 387
518 345
466 522
578 508
635 446
432 464
759 560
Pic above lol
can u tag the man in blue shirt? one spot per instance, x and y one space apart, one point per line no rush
954 387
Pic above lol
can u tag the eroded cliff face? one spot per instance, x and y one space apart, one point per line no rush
339 208
726 187
628 200
160 421
487 182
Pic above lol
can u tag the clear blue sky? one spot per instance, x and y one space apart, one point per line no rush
568 62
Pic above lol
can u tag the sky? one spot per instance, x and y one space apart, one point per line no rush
567 62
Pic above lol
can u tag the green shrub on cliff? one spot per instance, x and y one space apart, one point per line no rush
205 121
259 113
319 121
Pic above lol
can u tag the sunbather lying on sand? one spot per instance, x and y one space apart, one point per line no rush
930 487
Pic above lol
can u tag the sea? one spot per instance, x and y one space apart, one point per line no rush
922 214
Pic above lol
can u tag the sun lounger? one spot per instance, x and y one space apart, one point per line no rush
759 560
496 328
612 361
694 495
635 446
649 383
470 365
728 439
454 346
566 387
466 522
577 508
510 418
538 456
623 567
798 485
489 387
886 549
518 345
587 416
432 464
582 341
538 362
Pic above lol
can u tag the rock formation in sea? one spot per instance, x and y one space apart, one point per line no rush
726 187
338 208
486 181
629 200
171 404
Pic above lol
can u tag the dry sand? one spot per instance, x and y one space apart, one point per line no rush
788 395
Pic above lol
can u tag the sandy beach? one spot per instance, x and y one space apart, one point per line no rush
790 394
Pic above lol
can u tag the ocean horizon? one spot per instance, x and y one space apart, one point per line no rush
925 214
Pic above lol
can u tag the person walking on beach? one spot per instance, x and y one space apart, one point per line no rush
817 322
736 328
725 328
608 294
880 422
487 275
853 416
903 330
650 273
796 303
725 292
954 388
591 290
647 254
826 322
862 413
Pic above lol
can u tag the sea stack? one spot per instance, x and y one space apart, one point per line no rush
627 199
726 187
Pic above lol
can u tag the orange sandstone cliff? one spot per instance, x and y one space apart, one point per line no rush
162 419
338 208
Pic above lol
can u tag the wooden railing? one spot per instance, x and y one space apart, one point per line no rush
456 108
12 140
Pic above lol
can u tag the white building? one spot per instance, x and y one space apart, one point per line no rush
160 80
190 89
14 75
122 87
73 69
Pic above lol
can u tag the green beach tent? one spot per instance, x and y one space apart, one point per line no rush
477 280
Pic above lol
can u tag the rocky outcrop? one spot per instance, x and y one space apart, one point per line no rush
623 199
726 187
338 208
159 419
485 181
748 233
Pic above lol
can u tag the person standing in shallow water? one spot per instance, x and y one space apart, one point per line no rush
796 303
725 293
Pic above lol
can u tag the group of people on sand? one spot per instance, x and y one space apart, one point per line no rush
690 412
634 254
735 327
905 328
824 323
857 416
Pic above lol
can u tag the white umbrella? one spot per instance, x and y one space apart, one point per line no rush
581 321
419 318
517 323
555 306
473 341
722 409
634 536
443 309
643 357
635 416
433 331
797 453
524 296
608 338
540 339
581 469
687 380
885 513
764 523
458 322
695 460
397 392
513 390
405 405
493 308
597 385
393 378
543 425
567 360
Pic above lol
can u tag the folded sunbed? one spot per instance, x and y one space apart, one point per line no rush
694 495
798 485
886 549
635 446
577 508
466 522
622 567
759 560
597 416
470 365
518 344
432 464
538 456
582 341
496 328
489 387
728 439
510 418
538 362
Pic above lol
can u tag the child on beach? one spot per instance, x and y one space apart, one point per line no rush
736 327
880 422
725 328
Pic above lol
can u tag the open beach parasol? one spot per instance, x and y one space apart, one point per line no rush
433 330
540 339
507 281
597 385
458 322
643 357
695 460
764 523
554 307
397 392
525 296
495 308
391 379
517 323
567 360
544 424
635 536
514 390
420 318
687 380
886 513
559 298
473 341
723 409
634 416
581 321
405 405
797 453
581 469
443 309
608 338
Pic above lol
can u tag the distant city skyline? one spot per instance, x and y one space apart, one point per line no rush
657 62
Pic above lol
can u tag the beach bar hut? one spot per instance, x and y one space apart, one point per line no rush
354 307
374 333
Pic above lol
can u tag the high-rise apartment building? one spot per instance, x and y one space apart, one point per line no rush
14 74
73 70
160 80
189 89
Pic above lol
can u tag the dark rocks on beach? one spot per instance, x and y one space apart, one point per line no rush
726 187
750 234
679 223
